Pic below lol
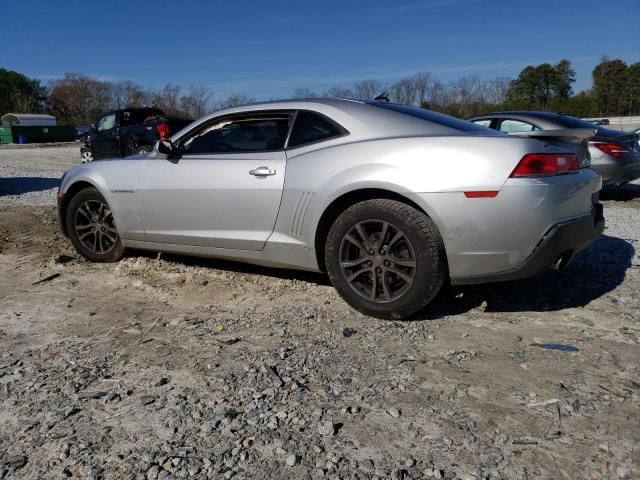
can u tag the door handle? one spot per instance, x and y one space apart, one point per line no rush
262 172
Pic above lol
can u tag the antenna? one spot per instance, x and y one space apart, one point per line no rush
383 97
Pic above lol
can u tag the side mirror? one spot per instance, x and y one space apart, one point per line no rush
166 147
93 128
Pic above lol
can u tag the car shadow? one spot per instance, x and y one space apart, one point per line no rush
591 274
623 193
238 267
20 185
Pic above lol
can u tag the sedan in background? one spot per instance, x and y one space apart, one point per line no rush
614 155
391 201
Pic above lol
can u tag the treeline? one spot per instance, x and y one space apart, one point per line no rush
615 91
79 99
463 97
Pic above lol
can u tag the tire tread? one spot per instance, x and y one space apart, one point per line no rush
425 226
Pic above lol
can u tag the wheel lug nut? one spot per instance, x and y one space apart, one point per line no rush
369 263
387 263
378 269
371 252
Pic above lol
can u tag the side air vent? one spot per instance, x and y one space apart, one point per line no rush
299 213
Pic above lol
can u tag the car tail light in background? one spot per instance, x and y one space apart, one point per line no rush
163 130
546 164
613 149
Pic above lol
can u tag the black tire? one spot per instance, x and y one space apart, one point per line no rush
91 228
406 269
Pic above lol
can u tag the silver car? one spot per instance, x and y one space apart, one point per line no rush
614 155
391 201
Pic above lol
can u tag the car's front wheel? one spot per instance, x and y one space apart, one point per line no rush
385 258
91 227
86 154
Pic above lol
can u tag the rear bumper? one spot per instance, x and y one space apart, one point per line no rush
616 171
557 247
629 175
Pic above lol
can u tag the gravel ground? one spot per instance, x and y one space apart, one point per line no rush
30 176
166 367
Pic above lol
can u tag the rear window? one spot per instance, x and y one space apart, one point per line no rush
433 117
136 117
573 122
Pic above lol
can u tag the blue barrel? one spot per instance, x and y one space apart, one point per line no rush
22 139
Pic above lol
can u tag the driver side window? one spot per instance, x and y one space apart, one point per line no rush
106 123
261 132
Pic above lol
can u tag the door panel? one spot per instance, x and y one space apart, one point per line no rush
212 199
104 141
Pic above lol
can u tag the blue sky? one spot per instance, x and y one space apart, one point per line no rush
268 48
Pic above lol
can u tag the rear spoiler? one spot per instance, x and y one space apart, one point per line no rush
629 137
579 136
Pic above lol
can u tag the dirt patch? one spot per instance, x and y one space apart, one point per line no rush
174 367
160 366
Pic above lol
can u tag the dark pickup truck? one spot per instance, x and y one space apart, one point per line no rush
121 133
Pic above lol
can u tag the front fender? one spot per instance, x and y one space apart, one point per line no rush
116 184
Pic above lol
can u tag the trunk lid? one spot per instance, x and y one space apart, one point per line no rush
574 136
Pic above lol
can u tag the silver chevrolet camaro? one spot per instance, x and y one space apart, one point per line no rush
391 201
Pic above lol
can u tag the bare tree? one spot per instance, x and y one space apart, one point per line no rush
304 93
498 89
197 102
234 100
24 102
441 97
80 99
367 89
168 99
404 91
338 92
423 84
469 95
129 94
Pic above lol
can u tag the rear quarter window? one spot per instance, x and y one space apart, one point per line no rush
311 127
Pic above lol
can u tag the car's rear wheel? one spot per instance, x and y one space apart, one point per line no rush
385 258
91 227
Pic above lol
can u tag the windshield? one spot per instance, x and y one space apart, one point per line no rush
438 118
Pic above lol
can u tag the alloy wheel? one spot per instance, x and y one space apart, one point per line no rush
95 227
377 260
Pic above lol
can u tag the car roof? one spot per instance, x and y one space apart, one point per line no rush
545 120
364 119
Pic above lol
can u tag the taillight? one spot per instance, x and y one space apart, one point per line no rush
613 149
546 164
163 130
